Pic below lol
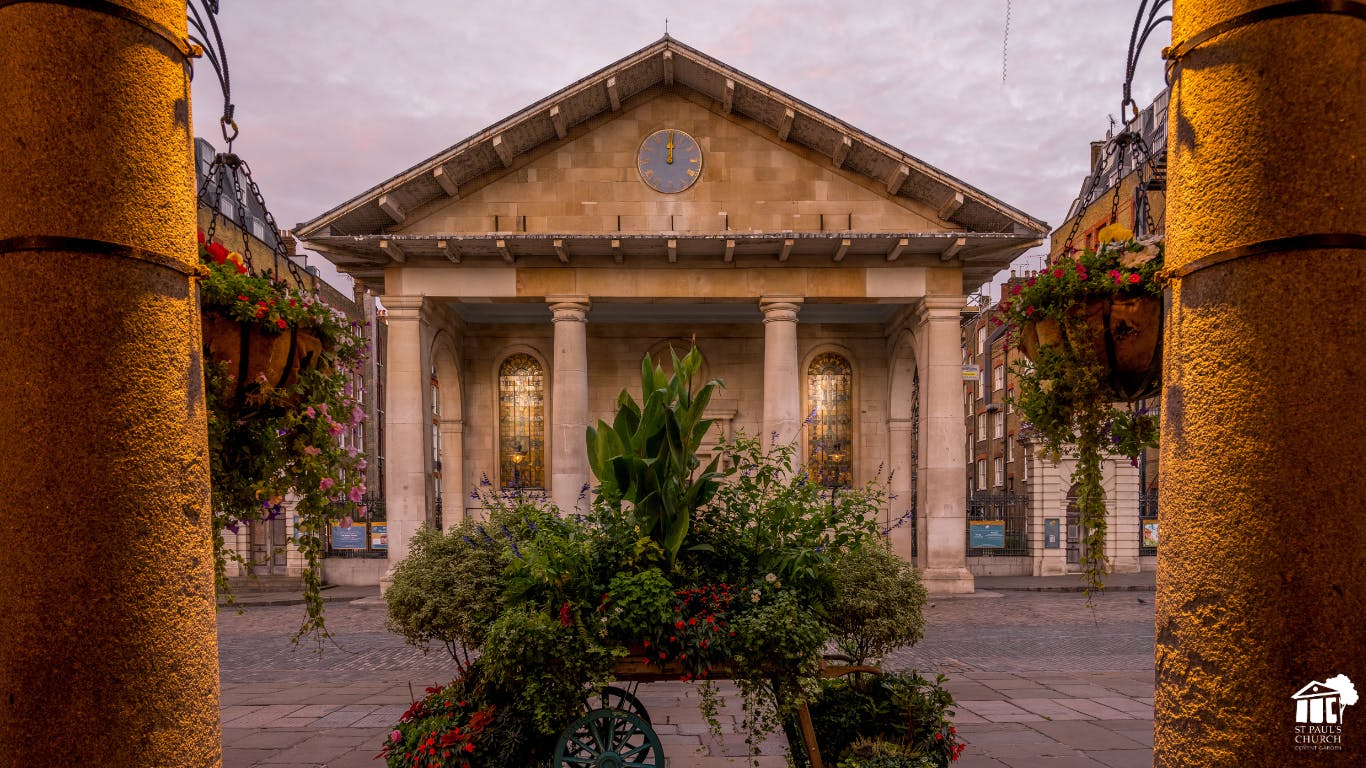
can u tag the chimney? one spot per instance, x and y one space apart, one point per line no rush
290 244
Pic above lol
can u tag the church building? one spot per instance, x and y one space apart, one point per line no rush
664 200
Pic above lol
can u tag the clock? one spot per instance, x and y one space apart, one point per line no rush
669 161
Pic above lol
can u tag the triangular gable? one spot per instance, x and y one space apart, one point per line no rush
668 64
1315 690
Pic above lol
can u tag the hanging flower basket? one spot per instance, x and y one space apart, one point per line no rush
1124 336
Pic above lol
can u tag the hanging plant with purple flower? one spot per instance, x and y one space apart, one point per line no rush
279 371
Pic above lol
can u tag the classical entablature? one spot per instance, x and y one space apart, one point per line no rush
782 184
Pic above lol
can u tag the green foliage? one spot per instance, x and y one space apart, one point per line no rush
449 588
267 442
877 603
903 709
780 632
769 519
875 753
637 603
551 663
647 457
1065 392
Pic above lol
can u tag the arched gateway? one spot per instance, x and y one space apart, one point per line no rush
671 196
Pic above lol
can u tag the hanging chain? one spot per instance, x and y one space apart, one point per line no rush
203 21
1005 43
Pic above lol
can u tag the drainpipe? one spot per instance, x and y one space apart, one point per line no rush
107 626
1262 568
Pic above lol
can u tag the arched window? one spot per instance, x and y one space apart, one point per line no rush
521 422
830 437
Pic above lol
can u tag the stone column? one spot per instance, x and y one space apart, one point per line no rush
900 433
943 444
1262 564
569 401
452 472
406 422
782 380
108 653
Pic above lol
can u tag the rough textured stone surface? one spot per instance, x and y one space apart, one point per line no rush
106 585
1263 557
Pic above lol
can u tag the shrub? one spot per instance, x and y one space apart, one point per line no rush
877 603
903 709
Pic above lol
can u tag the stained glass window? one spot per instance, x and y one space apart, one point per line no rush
830 435
521 422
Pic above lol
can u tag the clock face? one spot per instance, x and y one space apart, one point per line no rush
669 161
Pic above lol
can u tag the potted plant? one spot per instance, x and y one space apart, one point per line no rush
1090 326
279 366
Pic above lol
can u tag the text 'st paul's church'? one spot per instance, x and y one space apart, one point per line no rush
665 198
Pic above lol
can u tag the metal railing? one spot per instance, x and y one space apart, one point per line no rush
1012 510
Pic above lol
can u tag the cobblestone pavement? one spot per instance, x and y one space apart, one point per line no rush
1040 680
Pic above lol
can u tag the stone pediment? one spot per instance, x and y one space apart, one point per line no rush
775 170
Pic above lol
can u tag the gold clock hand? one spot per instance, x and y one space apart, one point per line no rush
670 145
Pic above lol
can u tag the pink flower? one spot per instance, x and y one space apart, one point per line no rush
309 412
326 483
395 736
357 414
356 494
322 408
333 428
361 465
311 451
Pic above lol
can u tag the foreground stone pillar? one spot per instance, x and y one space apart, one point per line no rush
406 423
1262 568
782 380
569 401
943 444
107 630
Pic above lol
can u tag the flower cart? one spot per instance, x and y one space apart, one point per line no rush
677 572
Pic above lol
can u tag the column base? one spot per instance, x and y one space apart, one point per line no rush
386 581
948 581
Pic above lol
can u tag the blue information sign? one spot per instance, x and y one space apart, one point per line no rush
350 537
987 534
1052 533
379 535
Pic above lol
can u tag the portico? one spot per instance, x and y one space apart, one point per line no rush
529 268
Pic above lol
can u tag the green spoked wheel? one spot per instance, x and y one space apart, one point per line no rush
613 697
609 738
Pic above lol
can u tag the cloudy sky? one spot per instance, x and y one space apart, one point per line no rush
334 96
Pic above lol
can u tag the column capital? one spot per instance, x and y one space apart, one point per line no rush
402 307
573 308
780 308
939 308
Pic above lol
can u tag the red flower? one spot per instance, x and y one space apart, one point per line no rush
240 297
241 268
1030 281
281 323
564 615
201 237
1029 311
1058 273
1015 290
1134 278
218 252
469 746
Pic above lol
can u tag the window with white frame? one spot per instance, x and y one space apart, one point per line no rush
1000 426
1000 470
981 426
1010 451
998 377
981 474
981 340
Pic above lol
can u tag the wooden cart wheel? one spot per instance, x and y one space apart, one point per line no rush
613 697
609 738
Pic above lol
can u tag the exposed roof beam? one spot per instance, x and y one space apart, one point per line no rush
389 205
502 246
730 251
390 247
728 95
785 124
786 251
503 150
560 252
842 250
900 246
842 151
447 183
616 252
673 251
668 67
448 251
613 94
953 248
897 178
951 206
560 121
